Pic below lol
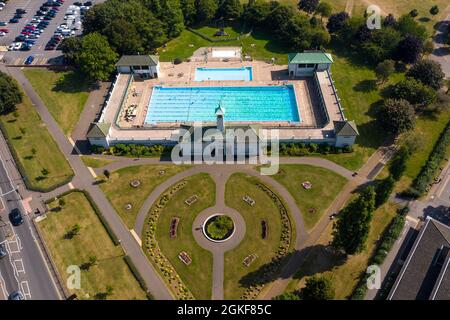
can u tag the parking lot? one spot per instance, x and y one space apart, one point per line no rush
40 55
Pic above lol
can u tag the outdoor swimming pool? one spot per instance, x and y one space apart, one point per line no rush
249 104
202 74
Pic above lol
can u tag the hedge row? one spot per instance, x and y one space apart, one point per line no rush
134 150
384 246
208 38
97 211
429 170
138 276
23 172
303 149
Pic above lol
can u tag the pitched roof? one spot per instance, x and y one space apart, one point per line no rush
345 128
138 60
310 57
424 274
99 130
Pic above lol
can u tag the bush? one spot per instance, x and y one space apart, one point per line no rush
383 191
397 166
177 61
134 150
138 276
428 72
429 170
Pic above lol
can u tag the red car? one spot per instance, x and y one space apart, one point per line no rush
4 30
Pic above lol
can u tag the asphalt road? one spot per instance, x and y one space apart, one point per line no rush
441 53
24 268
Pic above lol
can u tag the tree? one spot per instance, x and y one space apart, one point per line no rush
389 21
337 22
415 92
397 166
320 38
96 58
189 11
434 10
206 10
106 173
61 202
383 191
384 70
308 6
317 288
45 172
279 17
428 72
406 25
230 9
10 94
414 13
351 229
293 295
109 290
92 260
324 9
73 231
381 45
396 116
70 48
410 49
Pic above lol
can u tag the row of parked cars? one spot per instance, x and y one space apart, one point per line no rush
40 21
73 17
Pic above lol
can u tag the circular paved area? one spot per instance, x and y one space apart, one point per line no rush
219 247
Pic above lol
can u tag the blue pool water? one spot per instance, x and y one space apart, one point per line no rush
240 103
244 73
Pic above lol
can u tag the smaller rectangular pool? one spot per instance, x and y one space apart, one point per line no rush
218 74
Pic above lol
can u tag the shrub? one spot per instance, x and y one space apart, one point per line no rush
317 288
384 190
177 61
397 166
428 72
430 168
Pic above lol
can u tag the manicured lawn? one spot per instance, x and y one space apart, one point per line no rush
344 273
94 162
64 94
119 191
259 45
198 275
312 203
27 133
92 240
238 186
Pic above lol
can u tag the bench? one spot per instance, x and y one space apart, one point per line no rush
173 227
183 256
191 200
249 200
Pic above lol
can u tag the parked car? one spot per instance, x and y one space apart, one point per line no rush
3 251
2 34
15 216
13 20
3 24
16 295
29 60
21 11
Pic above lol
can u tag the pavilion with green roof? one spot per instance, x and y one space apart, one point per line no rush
306 63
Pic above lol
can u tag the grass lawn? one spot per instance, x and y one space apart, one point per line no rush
326 185
64 94
94 162
198 275
343 273
93 240
119 191
27 133
265 46
238 186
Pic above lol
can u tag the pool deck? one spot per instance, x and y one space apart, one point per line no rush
183 75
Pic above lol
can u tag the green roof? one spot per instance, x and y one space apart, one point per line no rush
310 57
345 128
99 130
138 60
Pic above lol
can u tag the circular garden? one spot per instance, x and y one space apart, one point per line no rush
218 228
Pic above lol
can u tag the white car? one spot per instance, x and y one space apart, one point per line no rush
11 47
18 45
2 34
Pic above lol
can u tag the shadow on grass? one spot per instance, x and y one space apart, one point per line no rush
277 268
365 86
74 82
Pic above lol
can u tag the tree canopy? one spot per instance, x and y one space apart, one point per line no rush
10 93
308 6
428 72
415 92
317 288
352 227
396 116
